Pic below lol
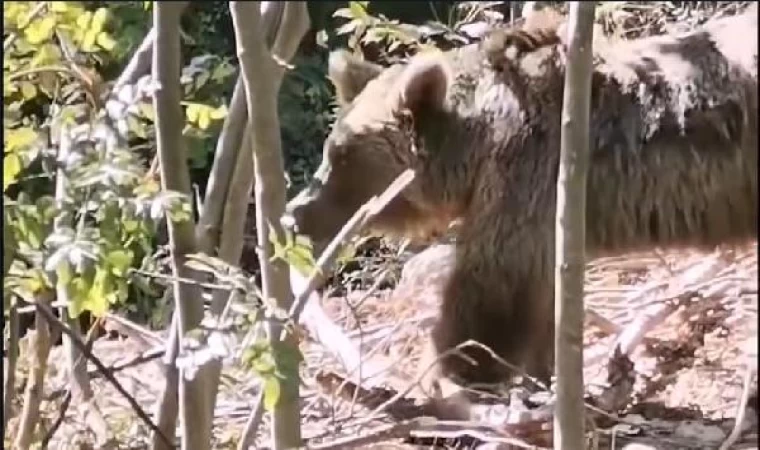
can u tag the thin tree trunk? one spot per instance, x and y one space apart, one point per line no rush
193 393
262 85
218 200
284 33
76 364
569 419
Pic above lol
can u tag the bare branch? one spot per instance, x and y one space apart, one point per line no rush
140 63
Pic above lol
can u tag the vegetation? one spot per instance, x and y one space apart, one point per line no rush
88 211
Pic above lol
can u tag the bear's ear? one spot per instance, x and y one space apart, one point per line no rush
350 75
424 83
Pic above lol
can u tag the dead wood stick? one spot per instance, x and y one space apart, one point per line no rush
741 408
58 421
634 333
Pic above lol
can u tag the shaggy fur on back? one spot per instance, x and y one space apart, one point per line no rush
673 162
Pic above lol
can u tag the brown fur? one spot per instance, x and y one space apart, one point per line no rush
673 163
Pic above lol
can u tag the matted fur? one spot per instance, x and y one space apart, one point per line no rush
673 163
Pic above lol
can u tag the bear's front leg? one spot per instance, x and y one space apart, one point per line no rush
500 295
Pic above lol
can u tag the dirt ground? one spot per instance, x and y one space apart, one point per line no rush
687 372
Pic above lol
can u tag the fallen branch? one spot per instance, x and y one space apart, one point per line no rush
647 320
741 408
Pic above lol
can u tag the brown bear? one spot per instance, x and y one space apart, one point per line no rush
673 162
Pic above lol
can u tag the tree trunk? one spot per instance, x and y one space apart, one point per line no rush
571 240
194 394
262 81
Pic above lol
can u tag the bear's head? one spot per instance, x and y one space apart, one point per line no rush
374 139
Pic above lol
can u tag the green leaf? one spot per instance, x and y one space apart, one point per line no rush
99 20
193 109
221 72
78 290
34 282
98 296
88 41
83 20
120 261
105 41
204 118
47 54
346 28
59 7
28 90
40 31
271 392
147 111
11 169
63 273
219 113
358 9
17 139
344 13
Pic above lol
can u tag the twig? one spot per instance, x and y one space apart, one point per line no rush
131 329
252 424
141 60
403 393
183 280
58 420
741 408
48 315
142 358
634 333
